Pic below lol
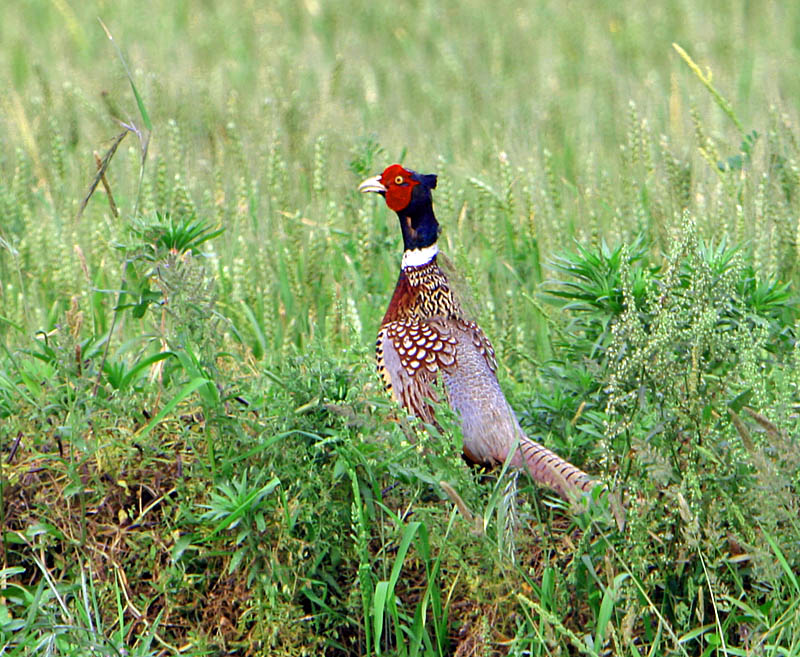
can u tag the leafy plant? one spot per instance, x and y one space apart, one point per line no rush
237 504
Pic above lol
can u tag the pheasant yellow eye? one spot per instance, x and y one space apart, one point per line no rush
399 180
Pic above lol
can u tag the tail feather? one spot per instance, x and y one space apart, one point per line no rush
550 469
570 482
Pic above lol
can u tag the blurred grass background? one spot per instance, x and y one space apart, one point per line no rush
470 81
251 95
548 123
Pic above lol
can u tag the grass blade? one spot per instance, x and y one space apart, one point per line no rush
782 560
139 101
187 390
378 607
384 590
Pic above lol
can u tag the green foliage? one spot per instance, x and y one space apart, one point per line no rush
164 234
236 504
196 455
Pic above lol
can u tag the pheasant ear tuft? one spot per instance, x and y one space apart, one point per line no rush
428 179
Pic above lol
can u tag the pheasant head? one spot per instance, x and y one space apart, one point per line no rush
408 193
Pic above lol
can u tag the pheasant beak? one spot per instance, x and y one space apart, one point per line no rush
372 185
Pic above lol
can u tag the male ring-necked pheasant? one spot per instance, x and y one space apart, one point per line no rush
424 335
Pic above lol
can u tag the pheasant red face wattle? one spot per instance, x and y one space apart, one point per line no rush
408 193
399 187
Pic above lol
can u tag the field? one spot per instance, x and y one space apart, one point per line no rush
196 455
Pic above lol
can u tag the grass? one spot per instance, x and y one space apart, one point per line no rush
197 457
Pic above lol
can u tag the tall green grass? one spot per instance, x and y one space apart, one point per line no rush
196 454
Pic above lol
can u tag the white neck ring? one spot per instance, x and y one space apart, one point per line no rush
419 257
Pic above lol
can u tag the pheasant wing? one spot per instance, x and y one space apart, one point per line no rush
410 355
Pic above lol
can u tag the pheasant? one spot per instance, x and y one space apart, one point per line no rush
424 335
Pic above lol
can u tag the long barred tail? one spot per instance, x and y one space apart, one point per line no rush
550 469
